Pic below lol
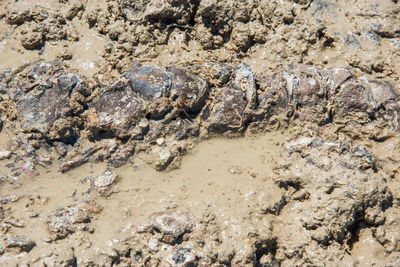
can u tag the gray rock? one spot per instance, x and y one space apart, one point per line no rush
173 223
23 243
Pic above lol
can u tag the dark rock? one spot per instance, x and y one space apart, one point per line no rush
334 78
232 103
273 96
46 105
382 93
116 109
304 85
354 96
228 112
150 83
188 91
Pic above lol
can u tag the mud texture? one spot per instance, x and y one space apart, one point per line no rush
96 95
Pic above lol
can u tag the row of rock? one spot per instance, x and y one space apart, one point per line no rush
148 103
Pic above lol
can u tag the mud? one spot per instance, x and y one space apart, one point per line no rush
199 133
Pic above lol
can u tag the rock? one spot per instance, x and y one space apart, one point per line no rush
304 85
218 75
233 102
228 111
121 155
162 157
354 96
78 158
150 83
382 93
6 199
61 223
23 243
5 154
117 110
243 79
273 96
46 106
334 78
182 256
188 91
103 182
172 223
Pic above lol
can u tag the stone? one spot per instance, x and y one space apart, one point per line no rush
103 183
172 223
162 157
233 102
61 223
23 243
188 91
45 105
5 154
354 96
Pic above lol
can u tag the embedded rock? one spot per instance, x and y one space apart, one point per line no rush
172 223
233 102
23 243
188 91
47 102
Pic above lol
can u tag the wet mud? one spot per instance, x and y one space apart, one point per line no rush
199 133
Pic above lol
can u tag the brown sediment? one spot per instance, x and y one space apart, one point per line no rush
273 127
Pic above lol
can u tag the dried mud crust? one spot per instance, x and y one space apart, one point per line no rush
363 35
172 73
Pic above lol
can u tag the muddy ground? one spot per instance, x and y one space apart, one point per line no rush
199 133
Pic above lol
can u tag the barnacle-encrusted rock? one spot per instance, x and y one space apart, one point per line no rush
65 221
188 91
48 101
172 223
149 102
232 102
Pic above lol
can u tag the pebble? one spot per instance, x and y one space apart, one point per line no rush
5 154
21 242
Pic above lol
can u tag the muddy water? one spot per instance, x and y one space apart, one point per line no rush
221 176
